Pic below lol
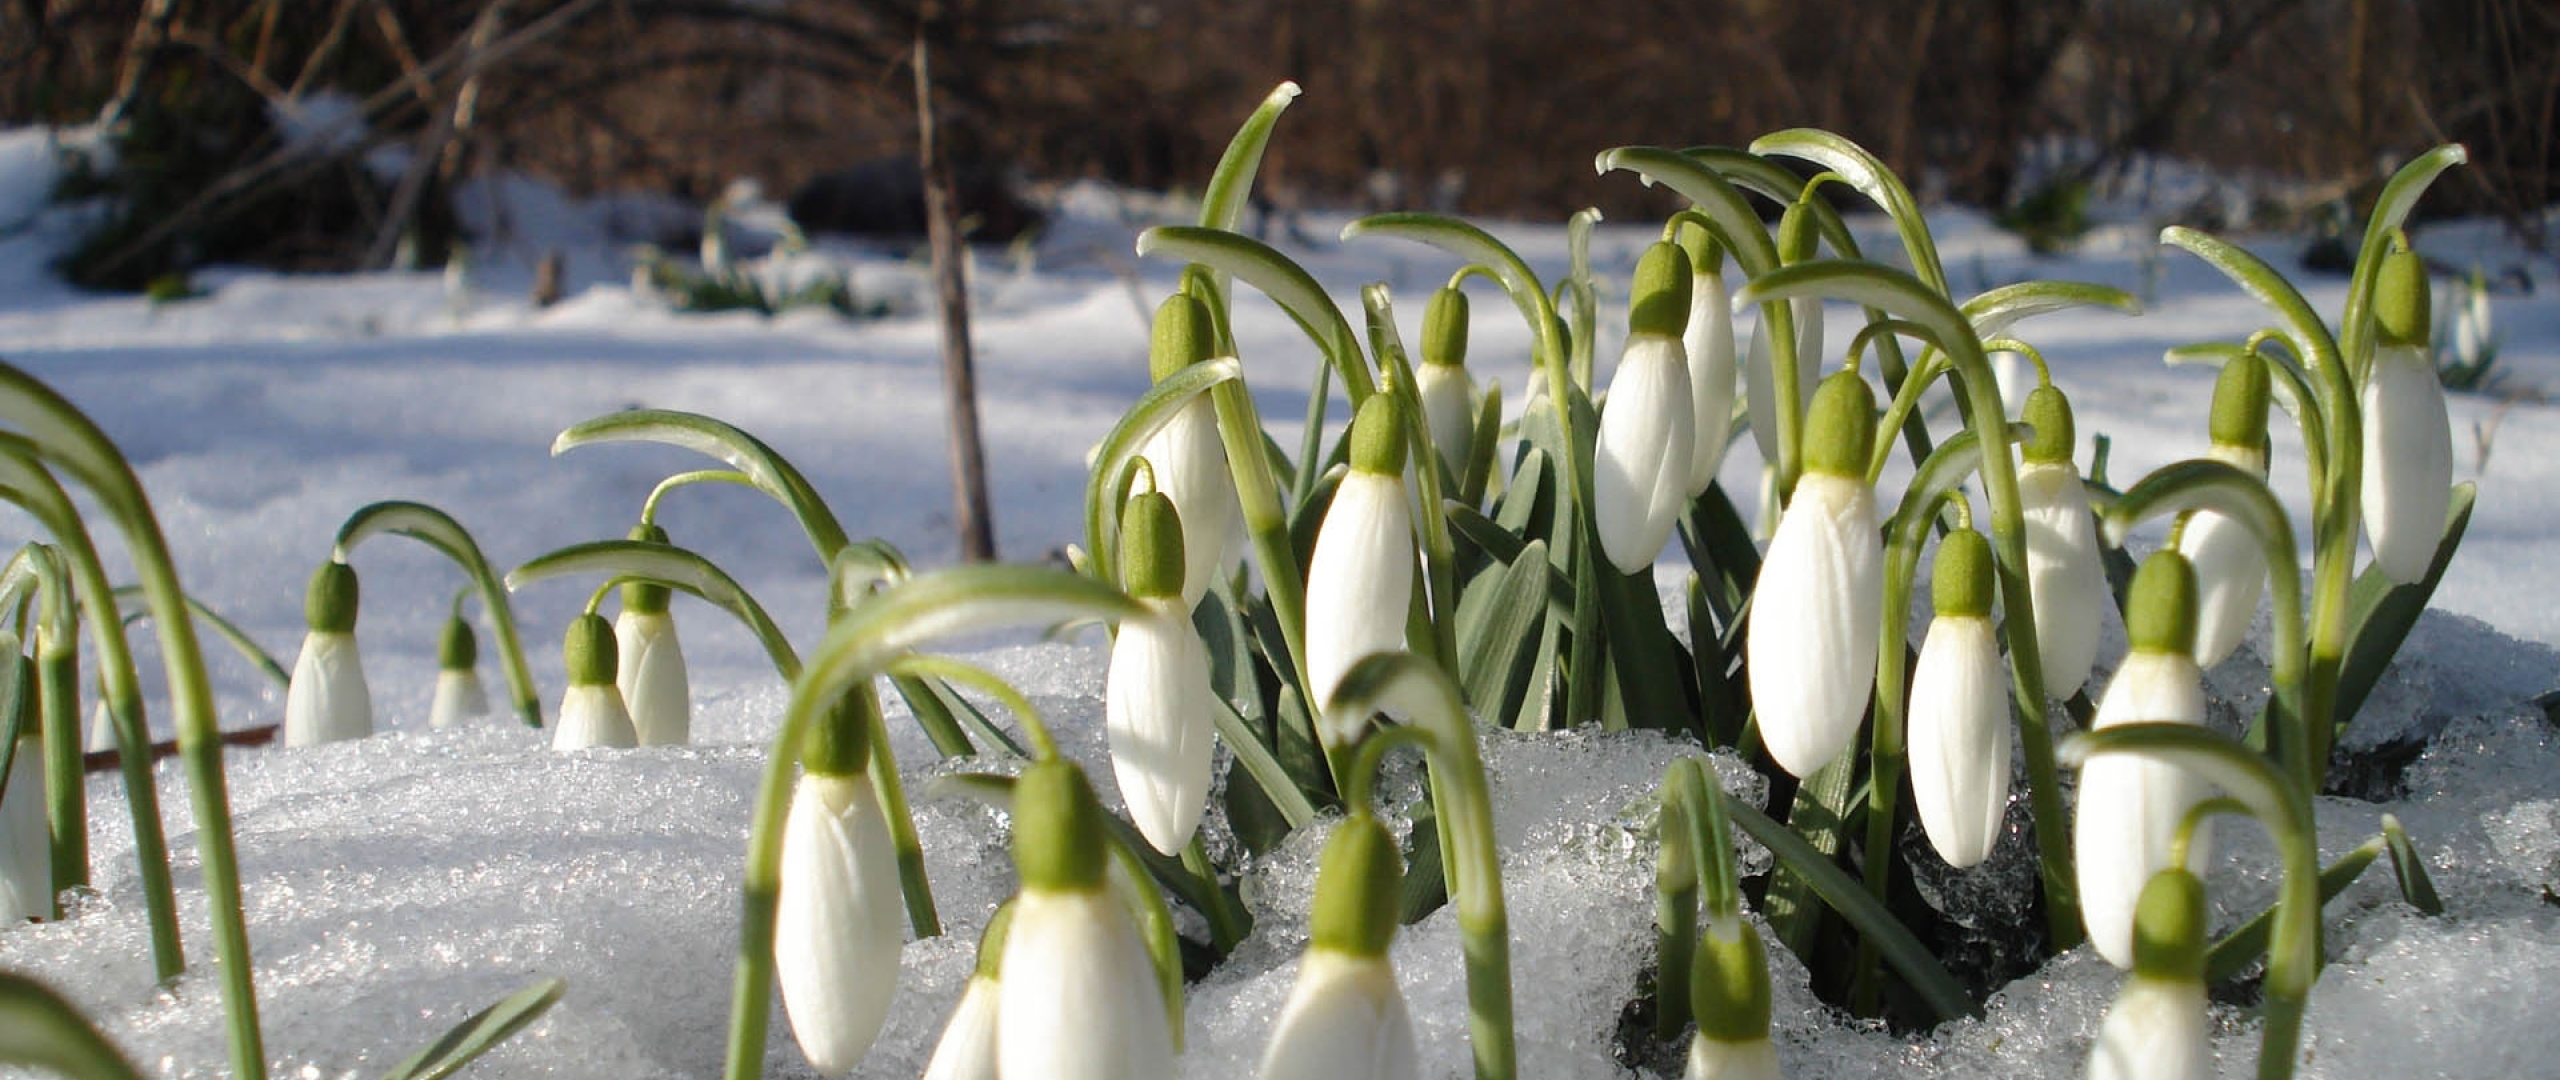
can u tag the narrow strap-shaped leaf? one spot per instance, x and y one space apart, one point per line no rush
1994 312
2380 614
2247 942
438 530
1258 761
1498 622
1283 280
481 1032
2399 196
40 1029
17 703
1869 176
2416 885
1910 959
674 567
230 632
1819 817
769 472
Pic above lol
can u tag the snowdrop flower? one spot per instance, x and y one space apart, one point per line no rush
836 925
2230 566
1079 999
2408 441
102 725
649 669
459 696
1959 736
591 711
26 851
2475 336
1156 698
1640 464
326 699
2158 1028
2066 576
1811 642
1729 993
1361 576
1760 378
1448 394
1708 343
1189 462
967 1049
2130 807
1345 1018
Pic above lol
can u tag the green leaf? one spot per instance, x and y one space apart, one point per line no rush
17 702
1912 960
2399 197
1259 763
480 1033
2248 941
2380 614
1737 224
1994 312
438 530
2302 326
230 632
1153 410
40 1029
767 470
2416 886
1499 619
1474 245
1231 185
1283 280
672 566
1869 176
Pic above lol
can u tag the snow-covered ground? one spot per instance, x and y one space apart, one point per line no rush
399 882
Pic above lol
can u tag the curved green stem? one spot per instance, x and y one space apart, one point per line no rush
1863 172
766 470
438 530
1296 291
649 506
1112 456
230 633
671 566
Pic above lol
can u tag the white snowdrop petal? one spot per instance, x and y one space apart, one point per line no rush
1449 409
1358 583
2231 575
967 1049
2129 808
1640 461
593 716
1345 1020
2066 577
1959 739
1811 641
26 853
2157 1029
1078 998
1716 1059
326 699
459 699
649 670
837 934
2408 462
1156 702
1708 341
1191 469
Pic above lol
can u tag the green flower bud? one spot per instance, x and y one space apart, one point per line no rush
2160 613
329 605
590 651
1057 829
459 649
1378 435
1796 234
1444 329
2050 414
1706 256
1963 582
1151 554
1359 889
2401 301
1183 336
1658 301
1840 426
2240 398
839 743
1729 984
646 597
2169 927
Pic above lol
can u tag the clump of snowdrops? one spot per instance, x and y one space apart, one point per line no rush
1442 565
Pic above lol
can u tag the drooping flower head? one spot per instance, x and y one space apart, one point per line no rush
1729 994
326 699
2125 828
1708 341
1156 696
836 923
2066 576
1079 999
1189 462
967 1049
1345 1018
460 698
2158 1028
591 710
649 668
2231 569
1811 641
1959 718
2408 440
1641 459
1361 576
1448 394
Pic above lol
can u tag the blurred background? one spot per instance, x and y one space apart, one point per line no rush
243 126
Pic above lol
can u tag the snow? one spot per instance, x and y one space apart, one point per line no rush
400 882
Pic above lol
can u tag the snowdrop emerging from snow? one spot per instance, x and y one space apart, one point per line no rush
2066 577
1448 394
1708 341
1811 641
649 664
2158 1028
1345 1018
1078 999
1361 575
836 924
1641 459
1729 993
967 1049
1189 462
326 699
1959 716
591 710
1156 696
2131 807
459 698
2408 441
2230 567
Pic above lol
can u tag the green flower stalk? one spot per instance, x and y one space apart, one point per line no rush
1641 460
26 862
591 710
1811 641
649 666
2131 808
1773 415
2231 571
2408 441
1345 1018
327 699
